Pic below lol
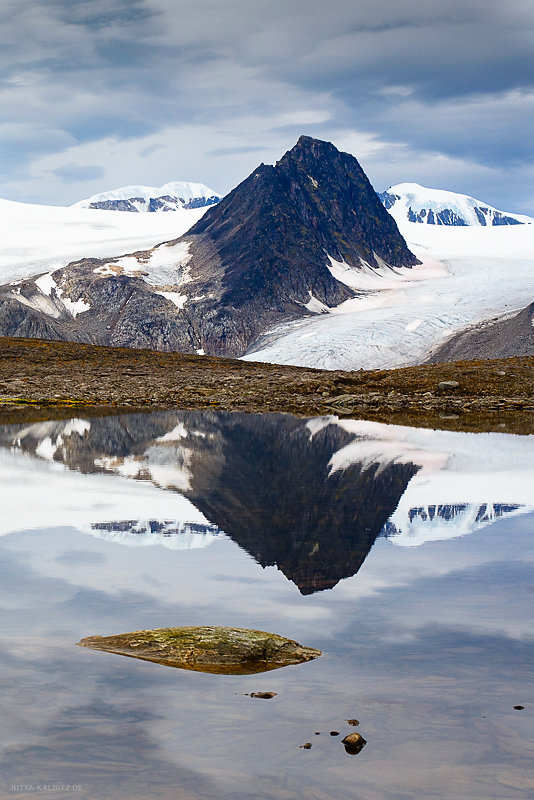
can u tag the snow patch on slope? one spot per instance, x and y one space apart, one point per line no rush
166 265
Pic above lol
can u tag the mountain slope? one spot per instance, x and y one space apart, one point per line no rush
173 196
496 338
261 256
410 202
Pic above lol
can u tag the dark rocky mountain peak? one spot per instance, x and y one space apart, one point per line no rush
260 257
272 238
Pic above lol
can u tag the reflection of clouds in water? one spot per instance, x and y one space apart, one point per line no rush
83 557
419 645
418 662
458 584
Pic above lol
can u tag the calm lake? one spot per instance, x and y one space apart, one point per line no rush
404 554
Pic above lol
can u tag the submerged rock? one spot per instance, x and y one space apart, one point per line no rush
229 651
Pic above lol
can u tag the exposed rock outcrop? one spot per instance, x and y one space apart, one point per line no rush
221 650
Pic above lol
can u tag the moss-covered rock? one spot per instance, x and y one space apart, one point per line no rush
229 651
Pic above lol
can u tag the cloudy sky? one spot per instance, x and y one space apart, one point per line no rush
97 94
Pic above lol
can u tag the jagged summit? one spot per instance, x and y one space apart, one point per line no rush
317 187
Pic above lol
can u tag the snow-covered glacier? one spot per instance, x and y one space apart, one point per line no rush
467 275
37 238
173 196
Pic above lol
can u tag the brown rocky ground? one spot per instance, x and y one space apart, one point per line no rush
41 379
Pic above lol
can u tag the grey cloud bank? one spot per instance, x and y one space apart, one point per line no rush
101 93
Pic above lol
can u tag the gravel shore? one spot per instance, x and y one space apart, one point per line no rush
41 379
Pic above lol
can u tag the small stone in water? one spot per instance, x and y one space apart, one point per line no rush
353 743
306 746
353 721
334 733
263 695
519 708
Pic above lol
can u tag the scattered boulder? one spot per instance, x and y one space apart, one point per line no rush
353 743
221 650
446 385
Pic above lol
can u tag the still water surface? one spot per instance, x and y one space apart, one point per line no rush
404 554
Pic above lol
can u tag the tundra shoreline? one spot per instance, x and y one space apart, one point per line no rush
42 379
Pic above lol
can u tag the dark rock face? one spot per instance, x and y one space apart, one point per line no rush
122 310
500 338
255 260
272 235
444 217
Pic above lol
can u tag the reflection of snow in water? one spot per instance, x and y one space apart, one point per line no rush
36 493
174 535
464 481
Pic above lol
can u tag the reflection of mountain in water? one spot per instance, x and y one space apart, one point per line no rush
424 523
171 534
263 479
309 497
275 496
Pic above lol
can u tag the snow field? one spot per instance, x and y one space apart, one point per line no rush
38 239
468 275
